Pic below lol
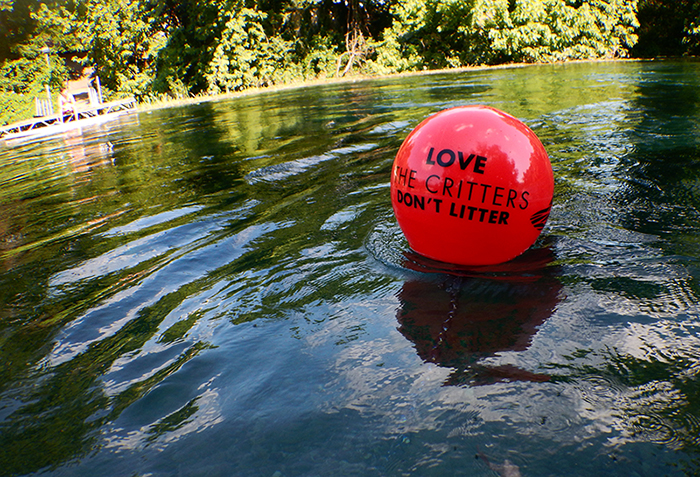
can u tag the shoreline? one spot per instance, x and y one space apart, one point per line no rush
185 101
165 101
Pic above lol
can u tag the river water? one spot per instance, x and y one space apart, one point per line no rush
221 289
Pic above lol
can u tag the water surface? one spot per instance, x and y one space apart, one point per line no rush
222 289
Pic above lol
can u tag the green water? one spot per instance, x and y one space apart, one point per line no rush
221 289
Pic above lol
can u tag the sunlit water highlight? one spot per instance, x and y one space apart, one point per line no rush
222 289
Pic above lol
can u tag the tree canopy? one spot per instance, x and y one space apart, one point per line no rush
148 48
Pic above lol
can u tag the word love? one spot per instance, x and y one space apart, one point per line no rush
447 157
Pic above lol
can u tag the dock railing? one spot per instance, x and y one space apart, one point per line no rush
43 107
65 117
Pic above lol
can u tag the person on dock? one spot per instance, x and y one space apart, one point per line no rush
65 102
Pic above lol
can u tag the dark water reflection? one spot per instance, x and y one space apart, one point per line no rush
459 322
221 289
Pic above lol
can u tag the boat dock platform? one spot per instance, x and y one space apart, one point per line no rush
74 116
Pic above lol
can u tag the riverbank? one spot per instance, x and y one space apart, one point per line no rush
165 101
170 102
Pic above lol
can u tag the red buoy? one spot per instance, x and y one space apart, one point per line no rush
471 185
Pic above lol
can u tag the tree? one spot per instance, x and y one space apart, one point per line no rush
556 30
449 33
123 40
186 47
668 28
17 26
446 39
24 69
191 31
245 56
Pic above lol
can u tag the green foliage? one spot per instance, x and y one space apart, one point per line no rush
446 36
25 78
16 25
122 44
692 30
320 59
179 48
245 56
428 35
190 30
450 33
668 28
15 107
24 70
556 30
56 24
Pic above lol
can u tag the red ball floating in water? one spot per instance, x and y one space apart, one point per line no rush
471 185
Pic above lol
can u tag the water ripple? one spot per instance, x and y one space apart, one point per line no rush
227 280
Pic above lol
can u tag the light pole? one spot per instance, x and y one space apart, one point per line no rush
46 50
